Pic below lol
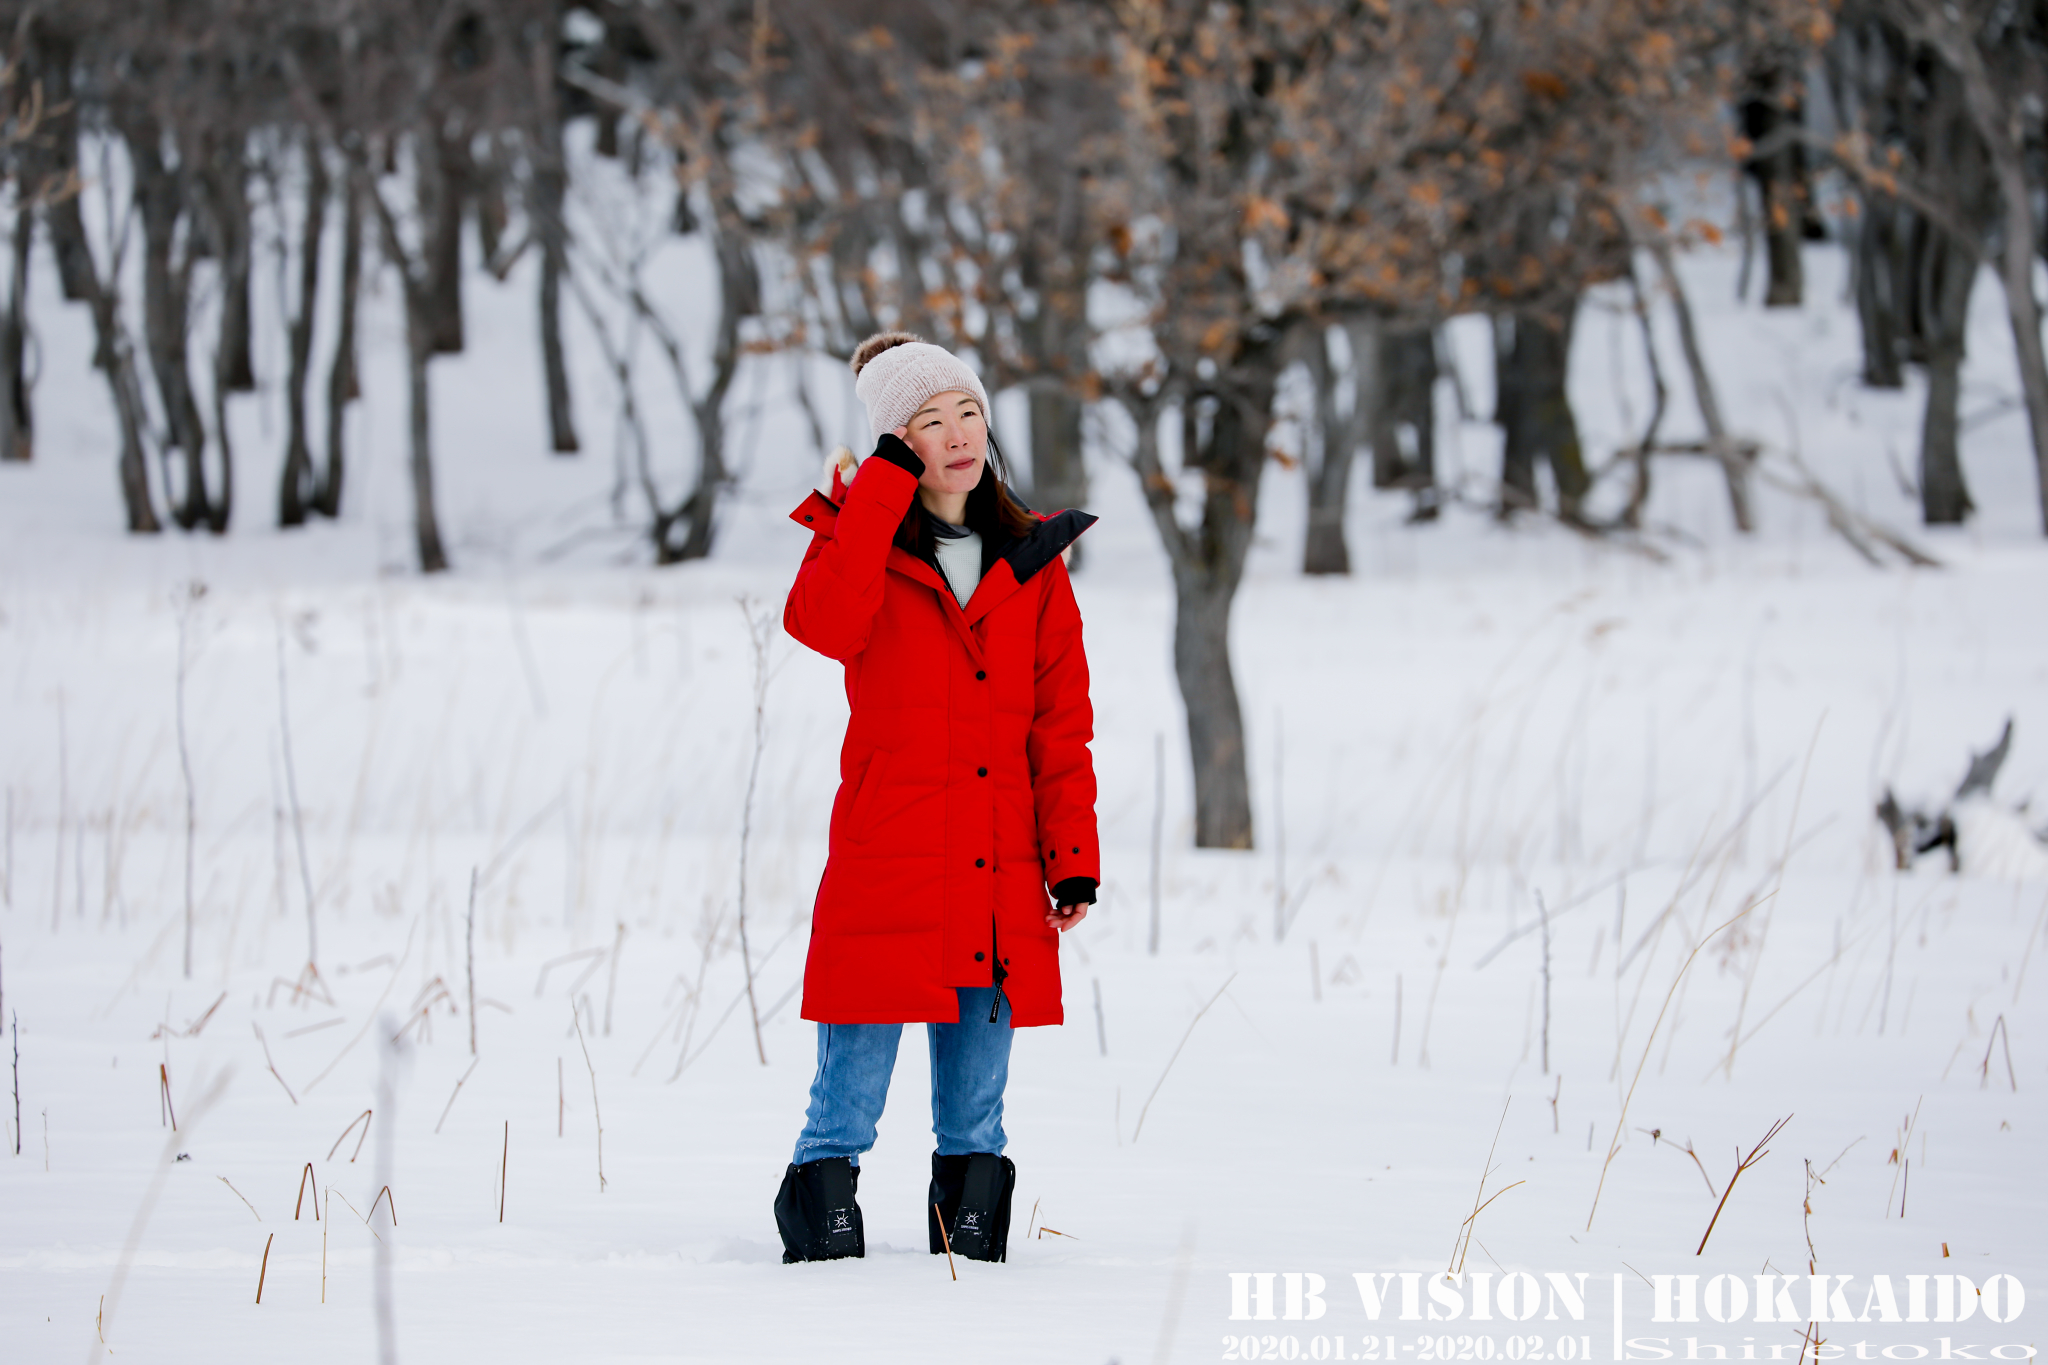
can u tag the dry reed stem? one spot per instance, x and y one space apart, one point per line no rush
163 1075
946 1241
324 1225
384 1197
1147 1106
307 1177
1763 934
1043 1229
686 1057
1462 1243
1101 1034
1614 1143
239 1195
1176 1295
1899 1146
540 985
1811 978
166 1160
362 1118
1756 1154
356 1211
504 1166
469 963
1999 1034
265 1269
1396 1055
760 633
612 984
596 1113
291 787
1543 915
1516 935
192 1028
452 1094
187 602
1034 1219
370 1017
2021 976
1657 1135
271 1064
1696 866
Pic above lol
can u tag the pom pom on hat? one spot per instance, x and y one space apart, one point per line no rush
896 373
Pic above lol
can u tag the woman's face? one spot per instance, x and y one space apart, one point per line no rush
950 434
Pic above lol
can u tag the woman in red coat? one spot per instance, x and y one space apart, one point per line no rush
963 833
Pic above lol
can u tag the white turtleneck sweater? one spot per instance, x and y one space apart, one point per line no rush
959 552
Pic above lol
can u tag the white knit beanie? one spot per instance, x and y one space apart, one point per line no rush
895 373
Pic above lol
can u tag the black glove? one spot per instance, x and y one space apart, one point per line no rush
892 449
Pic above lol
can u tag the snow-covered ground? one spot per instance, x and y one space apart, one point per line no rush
1478 717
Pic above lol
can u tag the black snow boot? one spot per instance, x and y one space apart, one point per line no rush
816 1212
973 1196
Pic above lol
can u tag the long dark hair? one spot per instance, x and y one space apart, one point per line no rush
993 512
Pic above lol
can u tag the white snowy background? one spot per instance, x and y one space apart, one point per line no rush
1478 716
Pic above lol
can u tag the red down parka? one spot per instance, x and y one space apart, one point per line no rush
966 788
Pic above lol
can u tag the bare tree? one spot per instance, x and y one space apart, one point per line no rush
1999 56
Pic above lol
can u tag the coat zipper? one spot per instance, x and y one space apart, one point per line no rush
996 972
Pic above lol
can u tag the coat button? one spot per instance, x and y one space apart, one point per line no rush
980 675
981 772
977 957
808 517
1077 850
1006 962
978 862
1053 854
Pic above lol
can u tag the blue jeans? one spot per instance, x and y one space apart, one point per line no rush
970 1066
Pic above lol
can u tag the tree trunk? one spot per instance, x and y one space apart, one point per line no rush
1944 500
1324 548
17 419
228 205
1225 439
1233 459
1208 690
112 343
1404 422
1534 412
1734 465
296 488
549 186
1770 110
220 504
52 158
487 191
342 388
2024 310
739 296
113 351
444 184
419 350
1059 479
1880 306
165 319
561 417
415 280
2003 133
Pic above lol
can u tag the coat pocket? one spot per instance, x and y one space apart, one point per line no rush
861 813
